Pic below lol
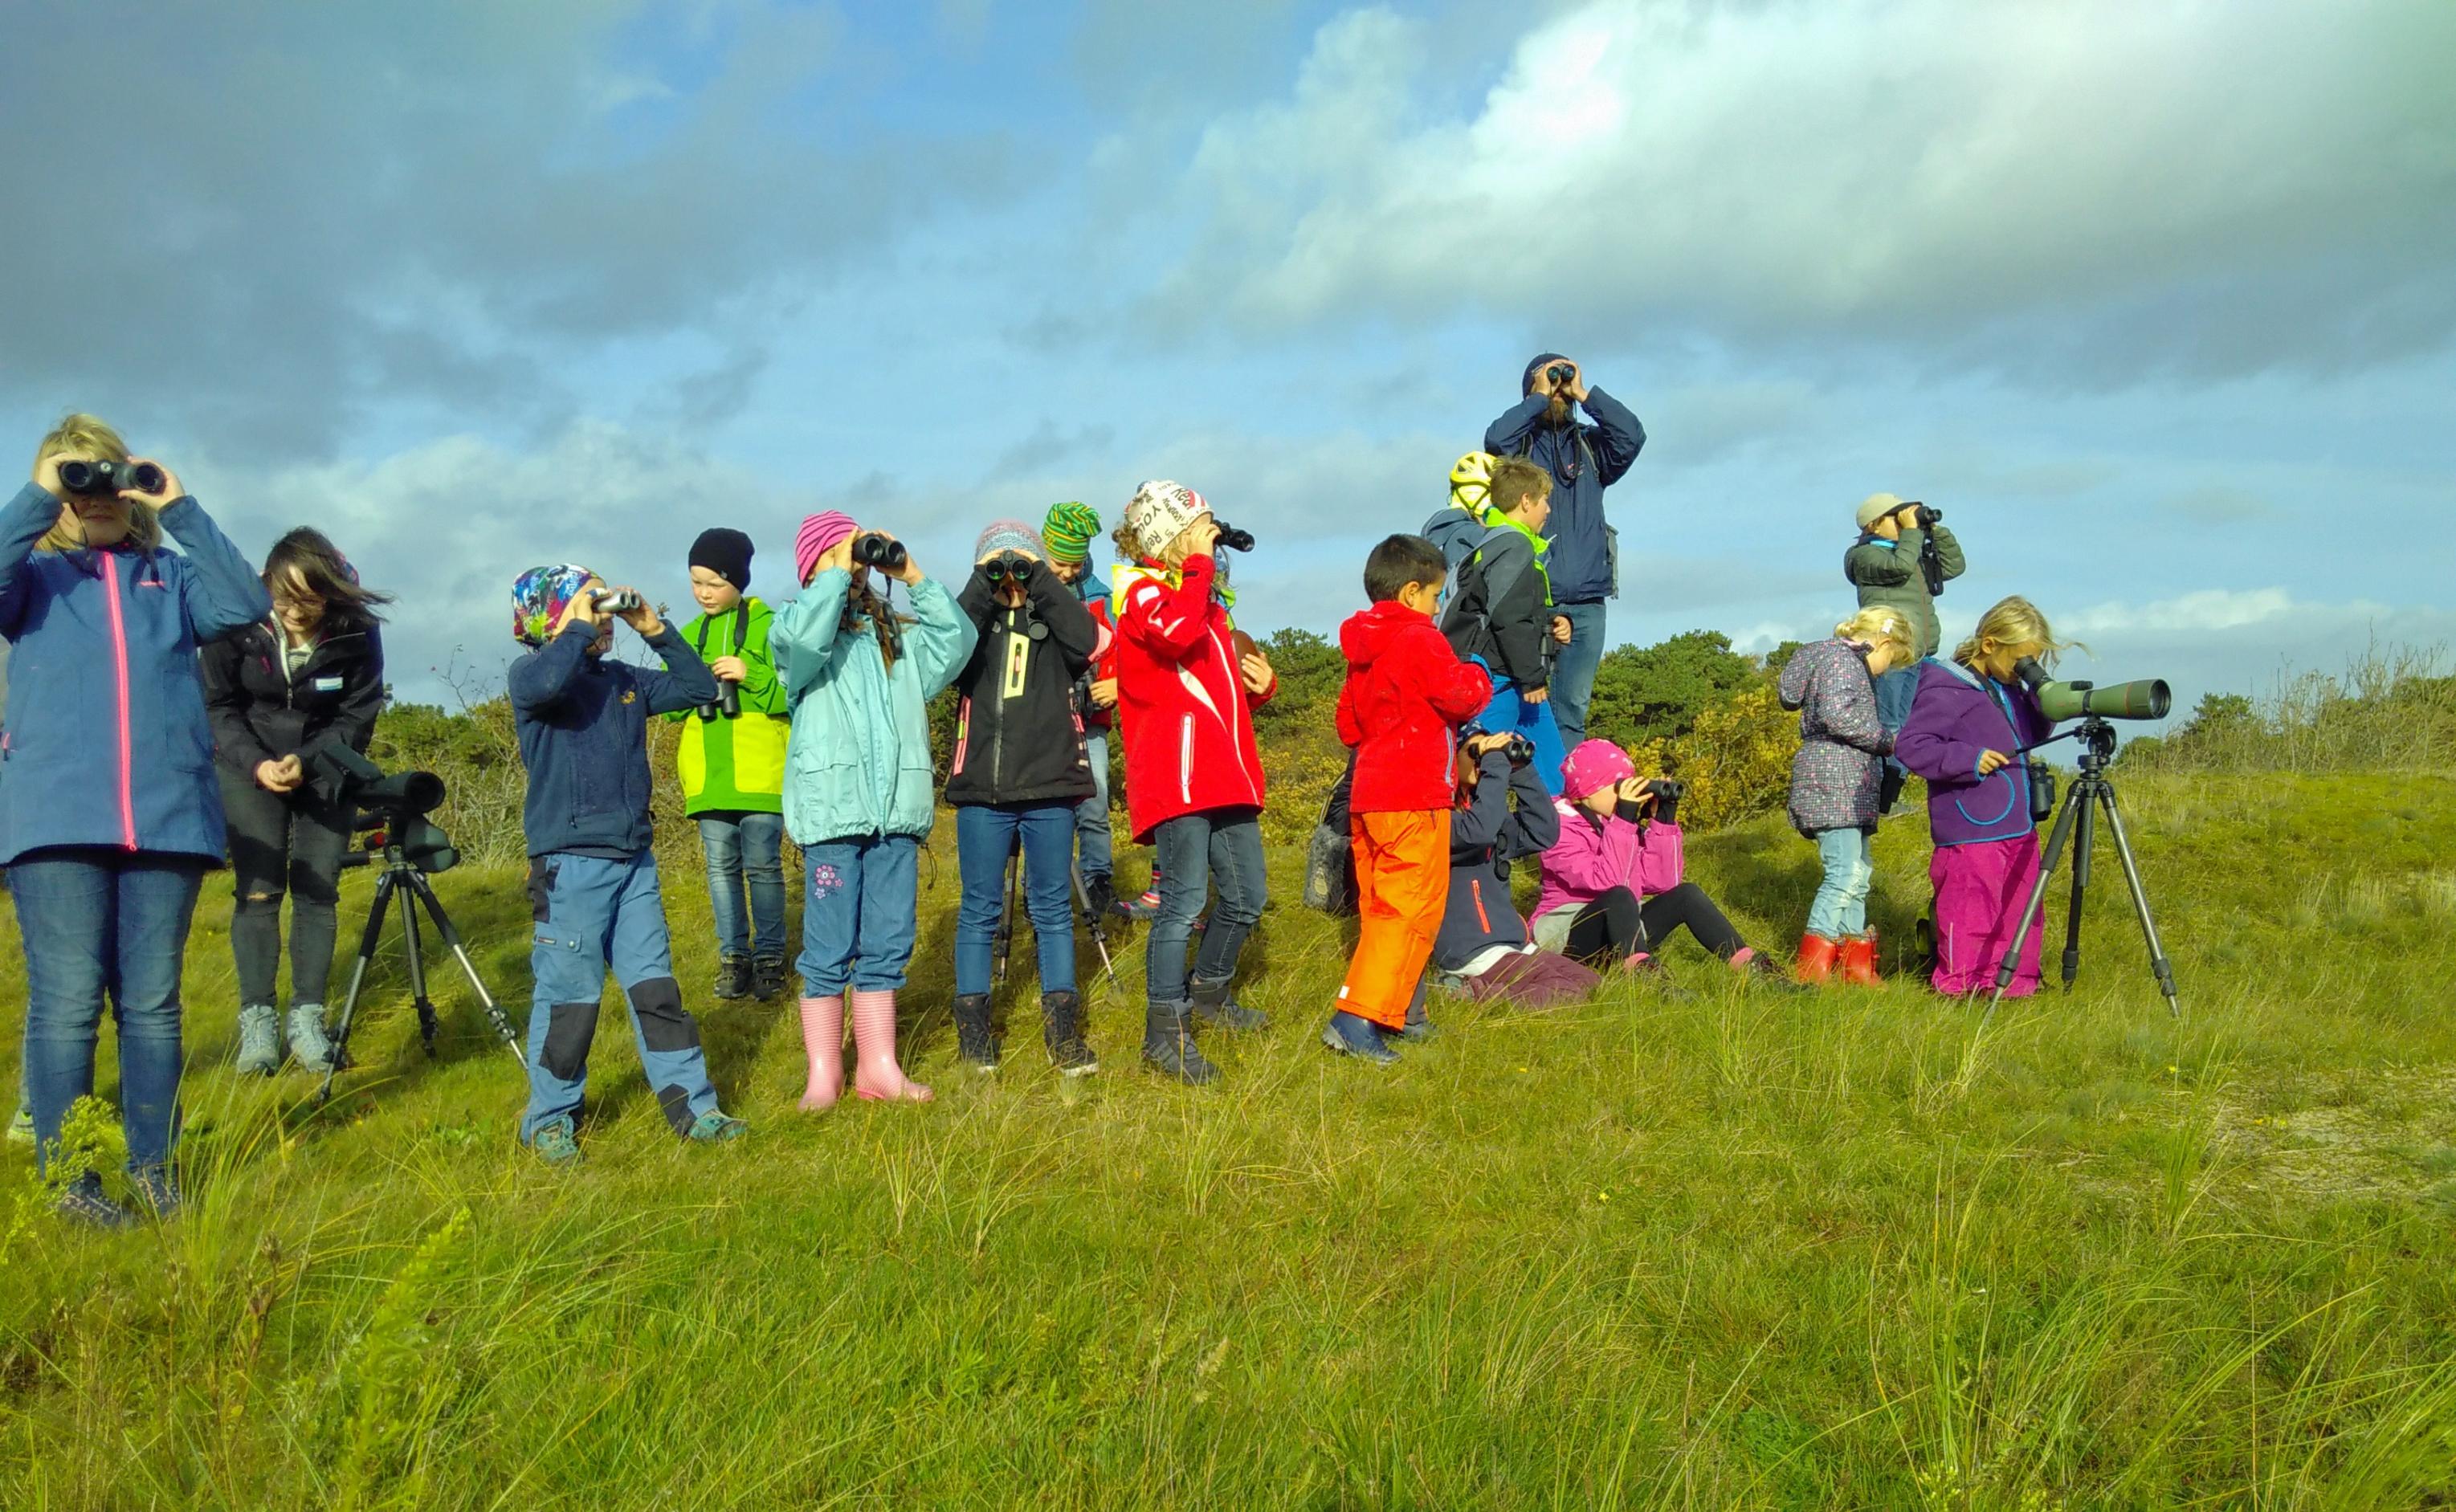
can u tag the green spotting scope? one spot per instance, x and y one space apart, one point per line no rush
2147 699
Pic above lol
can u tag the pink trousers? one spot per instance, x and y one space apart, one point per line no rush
1979 890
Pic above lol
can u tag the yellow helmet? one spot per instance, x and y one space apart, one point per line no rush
1471 482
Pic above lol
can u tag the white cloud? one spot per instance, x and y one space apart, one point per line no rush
2213 186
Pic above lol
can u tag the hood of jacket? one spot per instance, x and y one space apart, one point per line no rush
1369 634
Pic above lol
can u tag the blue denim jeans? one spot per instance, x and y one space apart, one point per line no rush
858 916
745 848
1091 814
592 913
1218 846
1894 691
1840 909
101 923
1573 671
986 835
1509 711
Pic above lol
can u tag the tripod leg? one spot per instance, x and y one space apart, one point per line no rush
368 939
1006 918
418 997
453 941
2084 840
2030 914
1083 901
2158 962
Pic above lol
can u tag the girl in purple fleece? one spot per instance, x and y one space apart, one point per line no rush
1968 724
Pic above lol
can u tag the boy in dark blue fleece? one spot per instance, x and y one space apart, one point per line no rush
582 723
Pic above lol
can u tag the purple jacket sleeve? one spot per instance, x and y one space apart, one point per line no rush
1934 740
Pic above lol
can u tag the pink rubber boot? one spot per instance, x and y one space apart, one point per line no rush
877 1076
823 1040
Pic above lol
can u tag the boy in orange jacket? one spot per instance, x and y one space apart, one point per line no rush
1406 695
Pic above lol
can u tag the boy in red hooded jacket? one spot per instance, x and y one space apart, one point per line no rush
1406 695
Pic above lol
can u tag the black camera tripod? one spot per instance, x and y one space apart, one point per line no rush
401 875
2093 787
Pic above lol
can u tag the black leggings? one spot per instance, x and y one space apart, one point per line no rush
1617 925
283 842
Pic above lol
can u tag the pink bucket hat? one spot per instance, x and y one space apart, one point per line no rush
821 533
1595 765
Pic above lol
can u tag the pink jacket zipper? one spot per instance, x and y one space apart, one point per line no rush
127 753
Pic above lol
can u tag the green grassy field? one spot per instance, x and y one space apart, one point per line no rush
1732 1248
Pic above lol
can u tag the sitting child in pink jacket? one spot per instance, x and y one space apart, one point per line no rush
1612 890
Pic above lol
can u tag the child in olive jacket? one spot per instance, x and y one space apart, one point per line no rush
731 762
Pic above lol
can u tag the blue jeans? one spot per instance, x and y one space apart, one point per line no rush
1091 814
859 915
1508 711
590 912
1220 847
1840 909
746 846
1573 672
1894 691
99 921
986 835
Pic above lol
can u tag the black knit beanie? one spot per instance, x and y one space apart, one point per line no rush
727 553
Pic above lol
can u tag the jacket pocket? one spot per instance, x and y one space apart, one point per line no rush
1611 561
2012 796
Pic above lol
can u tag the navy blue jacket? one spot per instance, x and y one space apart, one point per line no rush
1584 460
108 743
584 727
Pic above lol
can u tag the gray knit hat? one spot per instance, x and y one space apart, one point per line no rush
1009 535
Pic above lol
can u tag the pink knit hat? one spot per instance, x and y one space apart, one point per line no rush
1595 765
821 534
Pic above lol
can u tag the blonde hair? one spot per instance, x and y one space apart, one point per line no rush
1881 624
1131 549
87 436
2013 621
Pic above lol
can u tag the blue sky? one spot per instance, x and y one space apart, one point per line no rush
2156 301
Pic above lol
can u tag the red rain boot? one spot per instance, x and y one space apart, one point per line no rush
1816 955
1859 960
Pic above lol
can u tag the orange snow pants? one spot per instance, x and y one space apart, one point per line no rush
1402 884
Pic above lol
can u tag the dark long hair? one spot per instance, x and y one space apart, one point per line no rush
328 575
863 603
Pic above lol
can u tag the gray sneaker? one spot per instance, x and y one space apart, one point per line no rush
308 1045
21 1128
260 1040
554 1144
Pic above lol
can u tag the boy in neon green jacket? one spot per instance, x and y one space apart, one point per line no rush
731 762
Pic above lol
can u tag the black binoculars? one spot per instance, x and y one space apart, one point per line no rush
80 477
1666 789
1924 517
1234 538
1007 566
1560 372
727 704
870 549
1520 750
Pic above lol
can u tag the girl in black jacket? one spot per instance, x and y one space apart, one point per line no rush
1019 772
313 672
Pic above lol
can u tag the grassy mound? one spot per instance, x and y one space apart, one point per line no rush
1728 1248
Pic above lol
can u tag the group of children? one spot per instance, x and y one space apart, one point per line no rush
812 720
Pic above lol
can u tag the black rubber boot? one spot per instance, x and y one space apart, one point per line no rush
975 1041
733 977
1168 1044
1213 1004
1062 1029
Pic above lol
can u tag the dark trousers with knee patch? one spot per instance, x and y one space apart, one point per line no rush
593 913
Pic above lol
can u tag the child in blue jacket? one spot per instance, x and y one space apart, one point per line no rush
109 816
859 792
582 723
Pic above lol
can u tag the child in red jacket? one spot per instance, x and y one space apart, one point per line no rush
1405 695
1187 683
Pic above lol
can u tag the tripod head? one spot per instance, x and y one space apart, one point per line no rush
2095 737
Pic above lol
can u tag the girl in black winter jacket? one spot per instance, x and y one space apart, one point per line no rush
1018 774
314 672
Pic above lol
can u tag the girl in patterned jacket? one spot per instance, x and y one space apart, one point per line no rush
1836 777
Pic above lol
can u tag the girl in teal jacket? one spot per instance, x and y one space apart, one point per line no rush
859 792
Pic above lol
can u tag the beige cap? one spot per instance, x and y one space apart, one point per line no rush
1876 506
